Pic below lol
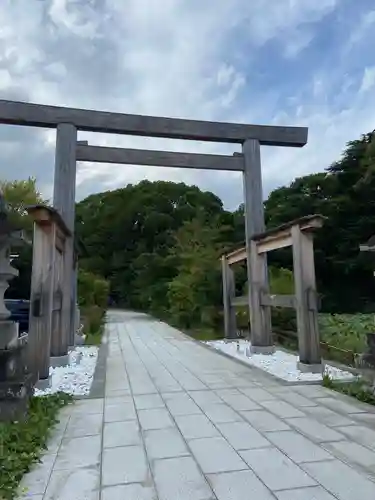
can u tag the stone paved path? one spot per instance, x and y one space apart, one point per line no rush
180 422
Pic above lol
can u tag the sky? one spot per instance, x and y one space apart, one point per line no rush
275 62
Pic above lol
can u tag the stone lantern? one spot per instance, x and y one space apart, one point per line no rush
15 387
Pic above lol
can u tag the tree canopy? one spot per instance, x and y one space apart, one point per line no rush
158 243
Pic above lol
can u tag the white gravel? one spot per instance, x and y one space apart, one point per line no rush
76 378
281 364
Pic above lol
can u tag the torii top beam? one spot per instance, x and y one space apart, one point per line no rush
40 115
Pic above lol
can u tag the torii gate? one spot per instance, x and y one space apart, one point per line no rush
68 121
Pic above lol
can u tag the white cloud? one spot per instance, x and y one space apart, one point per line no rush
361 30
179 58
368 80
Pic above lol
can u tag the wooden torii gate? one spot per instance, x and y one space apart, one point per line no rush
68 121
297 234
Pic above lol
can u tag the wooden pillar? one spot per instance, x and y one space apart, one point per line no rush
40 320
229 293
306 298
64 203
73 311
260 319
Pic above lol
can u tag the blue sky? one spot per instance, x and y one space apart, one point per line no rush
285 62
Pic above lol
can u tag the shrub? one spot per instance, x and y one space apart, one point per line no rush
92 297
23 442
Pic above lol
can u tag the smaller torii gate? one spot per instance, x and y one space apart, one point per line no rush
68 121
297 234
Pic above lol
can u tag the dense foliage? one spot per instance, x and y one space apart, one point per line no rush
22 443
158 243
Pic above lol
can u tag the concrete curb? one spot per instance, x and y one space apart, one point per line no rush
97 389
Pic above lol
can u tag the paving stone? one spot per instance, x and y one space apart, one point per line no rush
78 452
359 433
315 430
87 406
239 485
143 389
118 400
119 412
180 479
364 418
258 395
148 401
328 416
196 426
296 399
282 409
219 384
241 382
164 443
340 406
204 398
115 393
264 421
121 434
221 413
84 425
297 447
181 404
216 455
157 418
276 470
312 391
240 402
124 465
129 492
36 480
75 483
314 493
353 452
242 436
341 480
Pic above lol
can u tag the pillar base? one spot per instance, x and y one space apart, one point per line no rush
14 397
260 349
44 383
310 368
56 361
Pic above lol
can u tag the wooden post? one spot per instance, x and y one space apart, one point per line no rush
64 202
50 238
40 321
228 296
57 310
74 306
306 299
260 320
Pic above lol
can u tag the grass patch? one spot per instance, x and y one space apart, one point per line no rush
358 389
204 334
21 443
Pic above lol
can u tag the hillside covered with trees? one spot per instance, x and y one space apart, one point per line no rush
159 243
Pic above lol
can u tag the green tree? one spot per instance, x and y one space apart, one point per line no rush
195 293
